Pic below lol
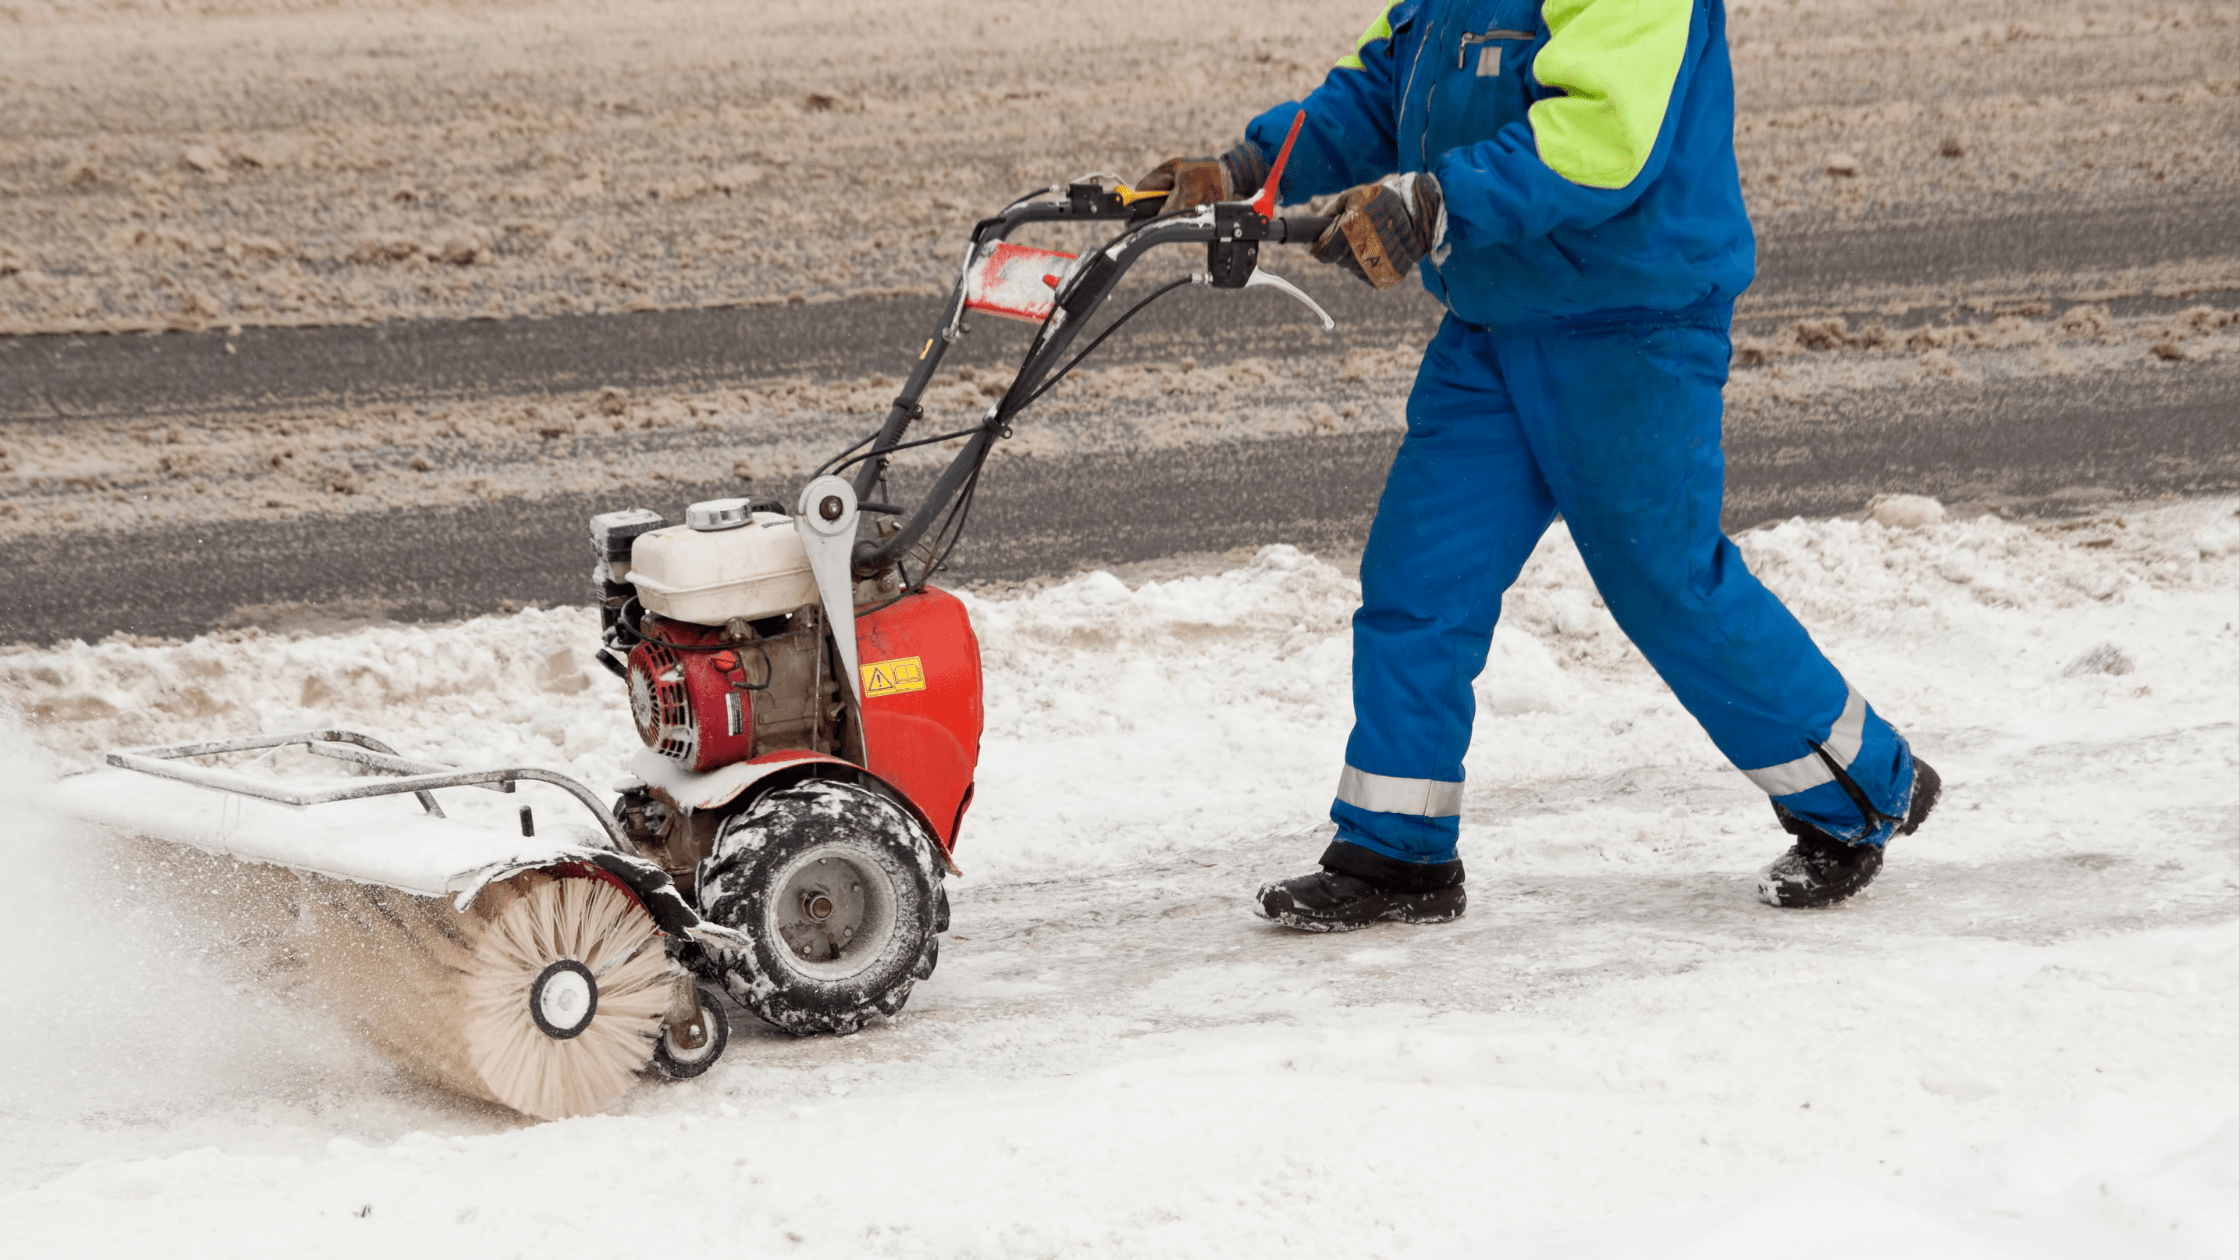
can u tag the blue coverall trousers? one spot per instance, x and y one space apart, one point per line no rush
1615 424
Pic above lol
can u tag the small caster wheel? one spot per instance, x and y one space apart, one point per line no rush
677 1063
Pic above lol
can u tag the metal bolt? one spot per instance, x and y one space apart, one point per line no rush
831 508
847 933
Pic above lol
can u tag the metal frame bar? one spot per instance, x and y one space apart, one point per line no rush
418 778
645 879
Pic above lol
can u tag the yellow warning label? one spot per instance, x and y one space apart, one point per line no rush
892 678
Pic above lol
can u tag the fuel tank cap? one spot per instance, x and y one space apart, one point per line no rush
715 514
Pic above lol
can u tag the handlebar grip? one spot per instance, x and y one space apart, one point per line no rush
1303 229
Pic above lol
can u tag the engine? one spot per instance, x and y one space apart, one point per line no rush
716 626
707 696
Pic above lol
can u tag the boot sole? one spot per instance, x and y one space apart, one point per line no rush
1443 906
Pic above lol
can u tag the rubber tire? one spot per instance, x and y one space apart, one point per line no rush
931 958
736 885
665 1060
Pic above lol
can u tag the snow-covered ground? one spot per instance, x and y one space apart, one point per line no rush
2024 1041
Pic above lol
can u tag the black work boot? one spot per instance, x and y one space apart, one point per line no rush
1357 887
1822 870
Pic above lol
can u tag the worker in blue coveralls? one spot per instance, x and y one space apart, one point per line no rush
1562 175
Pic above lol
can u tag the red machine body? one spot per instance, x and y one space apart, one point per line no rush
707 702
922 714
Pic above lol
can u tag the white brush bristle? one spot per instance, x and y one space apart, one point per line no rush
606 930
444 992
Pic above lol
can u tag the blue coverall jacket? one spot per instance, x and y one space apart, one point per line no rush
1585 149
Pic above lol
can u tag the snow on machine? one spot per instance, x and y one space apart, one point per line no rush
811 712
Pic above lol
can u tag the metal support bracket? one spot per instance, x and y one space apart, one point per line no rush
826 518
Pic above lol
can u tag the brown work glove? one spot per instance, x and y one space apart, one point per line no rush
1193 182
1380 231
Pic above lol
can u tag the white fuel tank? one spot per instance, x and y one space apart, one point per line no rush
725 562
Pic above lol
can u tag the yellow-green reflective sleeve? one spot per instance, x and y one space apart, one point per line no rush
1615 61
1379 29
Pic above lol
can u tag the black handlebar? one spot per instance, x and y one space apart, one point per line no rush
1232 233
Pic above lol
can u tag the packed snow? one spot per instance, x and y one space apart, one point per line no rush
2024 1041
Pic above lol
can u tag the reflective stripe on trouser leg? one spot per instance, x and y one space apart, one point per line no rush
1810 771
1383 794
1461 511
1874 757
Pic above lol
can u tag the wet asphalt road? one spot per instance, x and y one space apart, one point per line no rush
1042 516
2032 445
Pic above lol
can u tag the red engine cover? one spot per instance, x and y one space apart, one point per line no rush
921 702
685 704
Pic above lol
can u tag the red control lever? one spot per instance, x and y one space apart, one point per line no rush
1264 201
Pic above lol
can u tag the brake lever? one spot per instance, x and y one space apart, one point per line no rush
1263 278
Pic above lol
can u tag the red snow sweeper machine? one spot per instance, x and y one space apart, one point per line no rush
810 708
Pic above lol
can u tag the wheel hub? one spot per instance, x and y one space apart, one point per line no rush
563 998
834 911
